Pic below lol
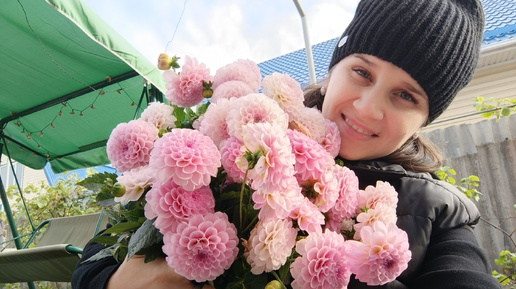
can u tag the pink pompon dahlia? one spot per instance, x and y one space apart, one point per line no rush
213 121
308 217
382 255
380 213
135 181
185 89
202 248
254 108
187 156
323 262
242 70
130 144
277 202
312 120
230 89
382 193
160 115
285 90
346 206
171 203
275 166
230 151
269 245
312 160
331 140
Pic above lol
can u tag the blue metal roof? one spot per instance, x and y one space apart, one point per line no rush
500 26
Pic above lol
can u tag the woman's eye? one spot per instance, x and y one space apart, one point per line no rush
407 96
362 72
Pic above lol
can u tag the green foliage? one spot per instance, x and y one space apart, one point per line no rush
128 220
495 107
467 185
45 202
507 261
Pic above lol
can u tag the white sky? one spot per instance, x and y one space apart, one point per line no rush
218 32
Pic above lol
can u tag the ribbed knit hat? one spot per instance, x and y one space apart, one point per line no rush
437 42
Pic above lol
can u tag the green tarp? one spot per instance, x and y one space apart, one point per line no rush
66 80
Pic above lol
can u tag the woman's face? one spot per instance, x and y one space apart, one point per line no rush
376 105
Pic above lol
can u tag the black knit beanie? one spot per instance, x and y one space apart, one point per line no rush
437 42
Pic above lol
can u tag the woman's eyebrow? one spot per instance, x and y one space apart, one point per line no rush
364 59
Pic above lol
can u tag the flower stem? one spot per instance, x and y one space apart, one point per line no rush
242 190
279 279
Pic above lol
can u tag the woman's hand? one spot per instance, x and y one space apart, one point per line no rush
134 273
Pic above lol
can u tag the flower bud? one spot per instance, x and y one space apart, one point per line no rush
274 284
118 190
207 91
165 62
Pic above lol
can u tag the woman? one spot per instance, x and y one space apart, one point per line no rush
395 69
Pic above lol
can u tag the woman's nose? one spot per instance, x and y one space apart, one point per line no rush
369 104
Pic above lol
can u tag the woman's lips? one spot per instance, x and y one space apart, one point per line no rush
358 129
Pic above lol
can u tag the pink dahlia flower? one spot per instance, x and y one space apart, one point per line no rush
170 203
326 191
346 206
187 156
382 255
269 245
312 120
230 151
135 181
277 202
213 122
308 217
229 89
382 193
130 144
254 108
160 115
331 140
202 248
322 263
380 213
312 160
275 166
185 89
284 90
242 70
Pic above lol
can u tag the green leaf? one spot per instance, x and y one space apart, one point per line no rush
105 240
180 115
122 227
144 237
96 181
104 253
506 111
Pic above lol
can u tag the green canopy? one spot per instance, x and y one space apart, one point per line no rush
67 79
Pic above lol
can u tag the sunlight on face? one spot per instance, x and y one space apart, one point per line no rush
376 105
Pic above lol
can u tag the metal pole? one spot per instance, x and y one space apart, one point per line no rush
308 46
8 212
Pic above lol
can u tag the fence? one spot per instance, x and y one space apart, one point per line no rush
486 149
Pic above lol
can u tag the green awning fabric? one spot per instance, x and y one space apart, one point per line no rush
66 80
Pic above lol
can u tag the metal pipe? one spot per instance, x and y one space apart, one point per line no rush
8 212
308 46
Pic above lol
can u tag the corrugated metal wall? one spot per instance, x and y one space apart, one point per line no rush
486 149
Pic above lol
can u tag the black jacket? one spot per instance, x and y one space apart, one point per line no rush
436 216
439 222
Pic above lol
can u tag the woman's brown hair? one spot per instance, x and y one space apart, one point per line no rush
416 154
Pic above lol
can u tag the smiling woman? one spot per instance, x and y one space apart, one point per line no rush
376 105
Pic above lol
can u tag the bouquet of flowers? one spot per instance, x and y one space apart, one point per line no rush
237 184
